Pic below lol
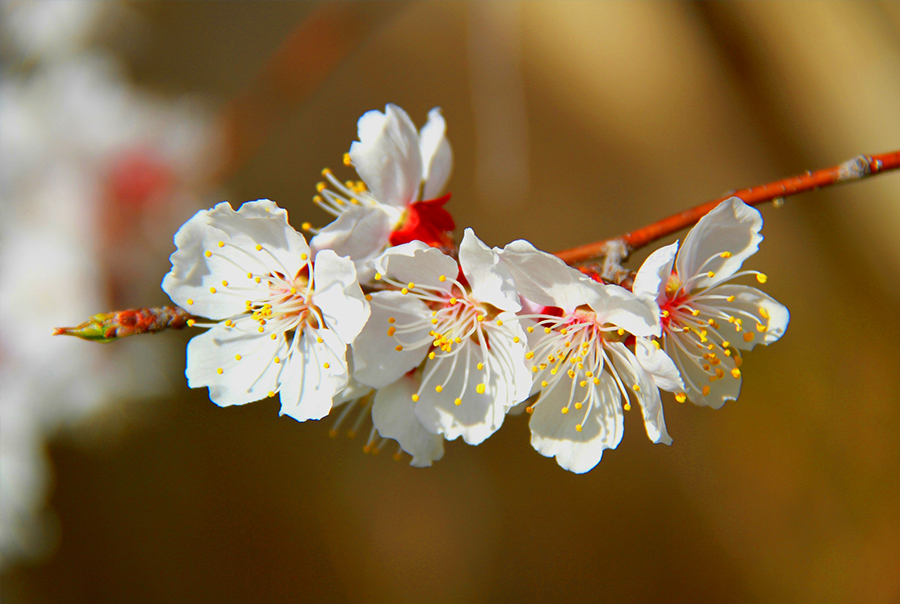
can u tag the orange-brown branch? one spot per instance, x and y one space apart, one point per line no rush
857 168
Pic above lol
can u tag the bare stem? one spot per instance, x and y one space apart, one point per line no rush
857 168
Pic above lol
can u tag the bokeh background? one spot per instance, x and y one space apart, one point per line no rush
570 122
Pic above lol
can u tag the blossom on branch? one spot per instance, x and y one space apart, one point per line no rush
403 172
460 320
582 368
707 322
281 322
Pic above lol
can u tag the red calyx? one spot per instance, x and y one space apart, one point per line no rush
426 221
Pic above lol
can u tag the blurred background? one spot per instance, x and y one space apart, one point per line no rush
570 122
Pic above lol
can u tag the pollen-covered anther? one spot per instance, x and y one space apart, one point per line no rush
457 401
681 397
564 410
415 398
627 406
207 253
480 388
480 366
748 336
220 371
725 255
438 388
578 427
276 360
237 357
221 244
398 347
636 387
761 327
326 365
762 278
711 274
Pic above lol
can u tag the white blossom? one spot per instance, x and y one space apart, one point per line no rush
402 172
464 328
707 321
582 368
283 322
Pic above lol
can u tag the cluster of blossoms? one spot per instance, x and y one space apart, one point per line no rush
381 312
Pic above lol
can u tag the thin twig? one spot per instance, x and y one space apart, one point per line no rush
857 168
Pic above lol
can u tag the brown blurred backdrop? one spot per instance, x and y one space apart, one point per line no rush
570 122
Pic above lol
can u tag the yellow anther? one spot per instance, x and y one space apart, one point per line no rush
736 372
730 298
220 371
415 397
529 409
190 322
656 344
529 355
706 391
480 366
318 199
411 285
398 347
347 161
748 337
320 186
695 312
453 300
571 374
706 367
262 329
534 369
229 323
589 374
457 401
207 253
621 332
271 394
319 340
221 244
276 360
530 330
763 312
438 388
326 171
681 397
665 313
306 226
726 344
760 327
224 283
727 353
442 278
368 297
582 383
578 405
564 331
480 388
578 427
516 340
303 256
480 318
212 290
761 277
274 336
564 410
627 407
596 381
731 319
725 255
377 276
391 331
190 301
738 360
293 290
710 274
499 323
431 355
544 383
257 279
636 387
547 330
404 291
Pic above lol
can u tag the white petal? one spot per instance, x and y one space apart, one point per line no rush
393 414
387 156
543 278
731 227
338 295
749 305
376 359
361 233
638 315
696 379
437 156
309 386
654 273
242 381
489 278
553 434
658 364
418 263
194 276
647 393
